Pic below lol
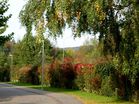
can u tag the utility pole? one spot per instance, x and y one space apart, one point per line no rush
62 32
11 66
43 56
63 53
11 62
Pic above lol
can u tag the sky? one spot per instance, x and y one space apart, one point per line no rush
15 26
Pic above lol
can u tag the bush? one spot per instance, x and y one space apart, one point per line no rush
62 74
24 74
33 73
87 80
69 75
106 87
113 79
29 74
108 75
4 75
80 82
54 74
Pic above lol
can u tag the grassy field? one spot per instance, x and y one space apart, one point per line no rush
86 98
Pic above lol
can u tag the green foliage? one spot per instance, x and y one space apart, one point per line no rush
69 53
3 22
109 77
33 13
112 79
5 61
3 39
105 69
106 87
4 67
87 79
29 51
80 82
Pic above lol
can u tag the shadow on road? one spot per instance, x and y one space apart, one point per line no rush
8 92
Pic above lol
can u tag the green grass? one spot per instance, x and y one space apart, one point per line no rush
87 98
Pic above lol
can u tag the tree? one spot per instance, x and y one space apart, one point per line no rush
4 50
3 21
28 51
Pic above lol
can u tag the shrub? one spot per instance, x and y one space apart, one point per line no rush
68 73
33 73
96 83
62 74
106 87
80 82
87 80
4 75
24 74
54 74
112 79
29 74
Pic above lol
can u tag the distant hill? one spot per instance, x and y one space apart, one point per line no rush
73 48
77 48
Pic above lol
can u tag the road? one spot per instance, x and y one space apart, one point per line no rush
10 94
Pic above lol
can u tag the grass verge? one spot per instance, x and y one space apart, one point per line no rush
85 97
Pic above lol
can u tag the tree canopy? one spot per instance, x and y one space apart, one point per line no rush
108 18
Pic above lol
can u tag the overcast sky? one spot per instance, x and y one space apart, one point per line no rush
15 26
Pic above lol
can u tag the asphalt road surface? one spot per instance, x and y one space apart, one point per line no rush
10 94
